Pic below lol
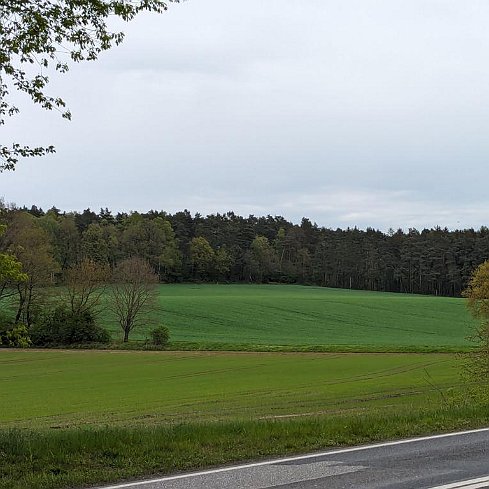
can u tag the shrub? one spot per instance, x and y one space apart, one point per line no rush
160 336
62 327
16 336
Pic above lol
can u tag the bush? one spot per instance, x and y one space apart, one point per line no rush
16 336
160 336
62 327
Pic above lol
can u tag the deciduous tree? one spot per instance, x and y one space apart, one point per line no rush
94 245
262 259
11 273
85 286
134 294
477 294
202 257
223 262
30 244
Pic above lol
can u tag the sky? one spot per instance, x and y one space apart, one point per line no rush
367 113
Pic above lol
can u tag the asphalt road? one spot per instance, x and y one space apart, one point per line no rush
456 460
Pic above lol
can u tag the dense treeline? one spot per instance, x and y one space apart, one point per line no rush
227 247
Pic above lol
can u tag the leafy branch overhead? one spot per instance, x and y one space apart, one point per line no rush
42 36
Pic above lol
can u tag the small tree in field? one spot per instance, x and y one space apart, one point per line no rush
134 293
85 286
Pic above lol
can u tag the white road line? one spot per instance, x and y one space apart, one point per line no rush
469 484
301 457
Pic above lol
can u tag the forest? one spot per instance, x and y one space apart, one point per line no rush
182 247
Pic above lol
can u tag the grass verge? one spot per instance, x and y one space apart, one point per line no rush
80 457
347 348
139 345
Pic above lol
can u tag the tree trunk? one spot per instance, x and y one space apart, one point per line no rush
21 304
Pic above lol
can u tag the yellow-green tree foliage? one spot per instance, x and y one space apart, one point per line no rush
477 294
10 271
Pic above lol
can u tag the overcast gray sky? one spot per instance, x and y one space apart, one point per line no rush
350 112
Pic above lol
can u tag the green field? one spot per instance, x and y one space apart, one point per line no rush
293 316
72 388
70 418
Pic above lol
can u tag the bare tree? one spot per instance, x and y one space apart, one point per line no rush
134 293
86 283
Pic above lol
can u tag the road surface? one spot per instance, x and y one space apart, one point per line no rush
451 461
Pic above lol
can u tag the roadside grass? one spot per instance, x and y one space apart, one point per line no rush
58 388
86 456
263 317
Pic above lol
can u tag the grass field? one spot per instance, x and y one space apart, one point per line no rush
70 418
72 388
293 316
76 418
